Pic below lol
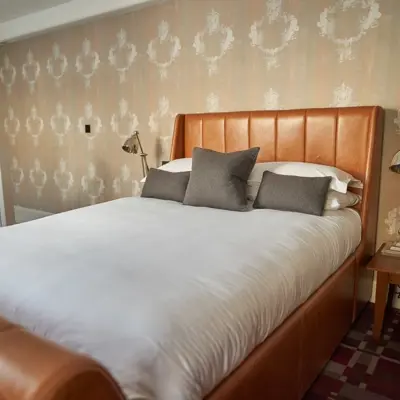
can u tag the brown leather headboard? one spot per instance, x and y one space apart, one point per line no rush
349 138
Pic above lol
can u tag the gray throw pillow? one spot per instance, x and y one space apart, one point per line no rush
166 185
219 180
292 193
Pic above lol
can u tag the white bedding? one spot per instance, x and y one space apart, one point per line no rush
170 298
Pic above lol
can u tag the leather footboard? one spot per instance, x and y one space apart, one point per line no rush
32 368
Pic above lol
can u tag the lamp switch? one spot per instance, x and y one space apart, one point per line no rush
87 128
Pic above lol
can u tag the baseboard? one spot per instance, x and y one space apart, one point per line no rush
23 214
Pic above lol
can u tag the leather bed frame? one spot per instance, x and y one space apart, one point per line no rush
285 365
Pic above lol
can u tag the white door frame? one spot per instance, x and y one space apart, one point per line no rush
3 218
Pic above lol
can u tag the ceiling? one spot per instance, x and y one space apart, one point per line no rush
23 18
11 9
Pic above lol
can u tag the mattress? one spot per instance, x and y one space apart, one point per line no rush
170 298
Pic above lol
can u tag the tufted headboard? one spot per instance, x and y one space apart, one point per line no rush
349 138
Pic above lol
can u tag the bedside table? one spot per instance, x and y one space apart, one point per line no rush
387 270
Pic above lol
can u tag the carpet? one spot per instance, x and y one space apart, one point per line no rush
361 369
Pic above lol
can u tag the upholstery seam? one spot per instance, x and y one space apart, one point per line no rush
225 134
367 146
336 136
276 135
202 132
305 136
248 129
183 130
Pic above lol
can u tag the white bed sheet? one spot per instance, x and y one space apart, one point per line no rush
170 298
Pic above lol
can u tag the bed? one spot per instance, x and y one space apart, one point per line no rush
213 324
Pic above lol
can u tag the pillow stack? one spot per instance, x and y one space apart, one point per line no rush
337 196
233 181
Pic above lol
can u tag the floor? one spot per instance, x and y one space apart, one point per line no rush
360 369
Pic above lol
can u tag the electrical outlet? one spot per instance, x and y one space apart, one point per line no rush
87 128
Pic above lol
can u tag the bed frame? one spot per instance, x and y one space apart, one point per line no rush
286 364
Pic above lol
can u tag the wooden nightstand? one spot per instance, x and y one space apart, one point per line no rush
387 270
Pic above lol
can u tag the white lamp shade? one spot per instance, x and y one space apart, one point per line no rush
395 164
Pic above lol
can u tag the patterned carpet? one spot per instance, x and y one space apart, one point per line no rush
360 369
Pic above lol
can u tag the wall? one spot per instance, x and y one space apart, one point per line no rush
30 17
138 70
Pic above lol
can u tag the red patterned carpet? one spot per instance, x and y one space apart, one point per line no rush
360 369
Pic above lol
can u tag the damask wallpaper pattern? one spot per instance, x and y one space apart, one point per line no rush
138 70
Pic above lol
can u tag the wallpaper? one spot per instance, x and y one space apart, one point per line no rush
138 70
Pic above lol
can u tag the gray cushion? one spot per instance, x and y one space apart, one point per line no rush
219 180
292 193
166 185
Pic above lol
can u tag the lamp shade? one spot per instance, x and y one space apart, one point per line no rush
131 144
395 164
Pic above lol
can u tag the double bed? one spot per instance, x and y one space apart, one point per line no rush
151 299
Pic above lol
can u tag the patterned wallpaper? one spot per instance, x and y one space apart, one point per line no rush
136 71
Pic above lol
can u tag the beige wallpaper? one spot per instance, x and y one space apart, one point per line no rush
136 71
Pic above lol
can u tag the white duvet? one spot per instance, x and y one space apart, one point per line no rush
170 298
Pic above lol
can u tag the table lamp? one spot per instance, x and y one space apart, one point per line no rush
132 145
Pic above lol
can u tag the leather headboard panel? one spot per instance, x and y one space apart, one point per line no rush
349 138
332 136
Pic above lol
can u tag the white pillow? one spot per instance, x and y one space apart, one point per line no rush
337 201
340 179
178 165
